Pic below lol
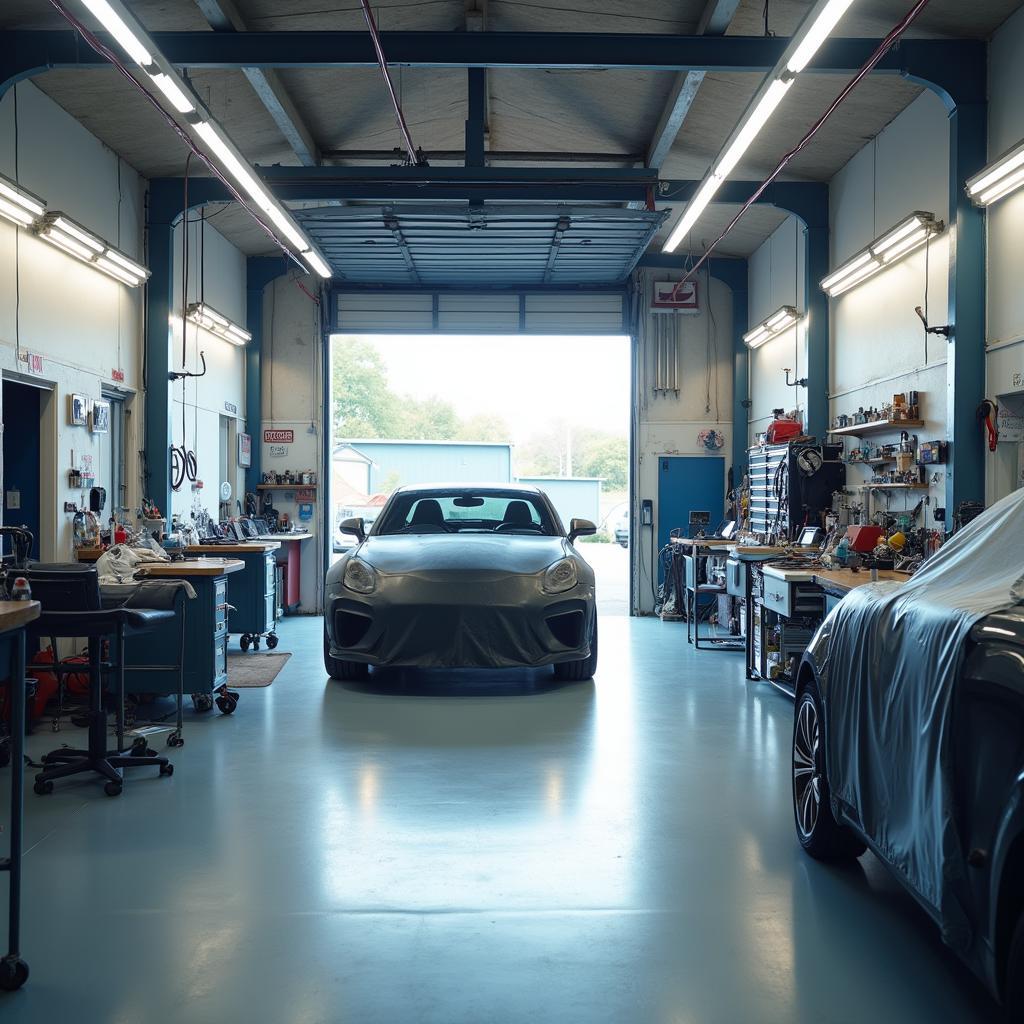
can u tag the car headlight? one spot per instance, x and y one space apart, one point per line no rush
360 577
560 577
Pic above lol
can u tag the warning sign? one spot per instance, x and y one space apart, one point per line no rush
278 436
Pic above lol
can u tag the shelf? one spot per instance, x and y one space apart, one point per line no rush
876 427
286 487
869 462
893 487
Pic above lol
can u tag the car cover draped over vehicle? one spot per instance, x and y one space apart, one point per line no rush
888 679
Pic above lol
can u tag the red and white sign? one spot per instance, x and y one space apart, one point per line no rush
670 295
117 376
278 436
33 362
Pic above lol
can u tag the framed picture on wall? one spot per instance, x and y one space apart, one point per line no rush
78 410
244 450
100 417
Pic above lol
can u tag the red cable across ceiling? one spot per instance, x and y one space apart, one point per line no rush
883 48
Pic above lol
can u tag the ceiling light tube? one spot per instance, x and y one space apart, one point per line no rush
115 23
911 233
771 327
59 230
174 93
808 38
317 262
999 178
216 323
14 213
21 200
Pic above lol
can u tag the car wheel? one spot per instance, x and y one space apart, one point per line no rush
1013 1001
585 668
338 668
816 828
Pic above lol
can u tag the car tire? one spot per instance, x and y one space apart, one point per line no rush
1013 997
575 671
817 829
338 668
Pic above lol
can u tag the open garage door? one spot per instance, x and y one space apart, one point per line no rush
449 312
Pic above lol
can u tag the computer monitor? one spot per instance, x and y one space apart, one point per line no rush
698 523
727 529
810 537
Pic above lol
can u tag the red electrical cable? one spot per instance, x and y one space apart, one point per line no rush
867 68
402 126
112 57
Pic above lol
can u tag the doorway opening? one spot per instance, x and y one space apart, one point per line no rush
548 410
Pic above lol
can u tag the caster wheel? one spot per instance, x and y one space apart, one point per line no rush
13 973
202 701
175 740
233 694
55 726
227 705
167 769
113 788
243 641
255 643
140 748
271 641
43 788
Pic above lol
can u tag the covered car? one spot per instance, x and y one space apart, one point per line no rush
909 740
462 576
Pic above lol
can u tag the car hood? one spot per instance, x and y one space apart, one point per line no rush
429 553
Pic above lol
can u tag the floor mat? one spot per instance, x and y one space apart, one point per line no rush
254 669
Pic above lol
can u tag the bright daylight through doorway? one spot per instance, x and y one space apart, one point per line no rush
549 410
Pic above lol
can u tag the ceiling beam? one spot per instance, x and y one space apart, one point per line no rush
714 21
224 16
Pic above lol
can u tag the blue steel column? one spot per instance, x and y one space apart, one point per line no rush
816 259
475 122
164 210
965 366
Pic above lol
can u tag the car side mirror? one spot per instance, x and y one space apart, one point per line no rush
353 526
580 528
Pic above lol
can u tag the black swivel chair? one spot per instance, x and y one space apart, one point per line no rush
70 596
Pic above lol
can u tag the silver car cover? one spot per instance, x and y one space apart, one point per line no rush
888 679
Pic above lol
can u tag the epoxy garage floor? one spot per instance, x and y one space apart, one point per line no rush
471 847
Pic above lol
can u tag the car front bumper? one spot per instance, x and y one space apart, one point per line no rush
429 623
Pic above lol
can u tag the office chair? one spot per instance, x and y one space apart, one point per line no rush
70 596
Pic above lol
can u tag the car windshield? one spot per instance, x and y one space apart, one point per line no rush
513 513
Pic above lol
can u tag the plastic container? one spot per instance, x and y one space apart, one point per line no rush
21 591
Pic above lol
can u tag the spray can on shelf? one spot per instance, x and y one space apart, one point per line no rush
21 591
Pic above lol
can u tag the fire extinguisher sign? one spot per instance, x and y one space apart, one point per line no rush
278 436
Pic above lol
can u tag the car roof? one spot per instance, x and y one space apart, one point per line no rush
464 488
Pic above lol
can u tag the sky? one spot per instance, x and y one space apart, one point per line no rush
529 380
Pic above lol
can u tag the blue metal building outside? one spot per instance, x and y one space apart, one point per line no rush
394 463
574 497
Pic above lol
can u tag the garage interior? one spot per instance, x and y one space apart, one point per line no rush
792 789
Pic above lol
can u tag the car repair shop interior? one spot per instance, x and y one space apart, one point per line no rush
793 788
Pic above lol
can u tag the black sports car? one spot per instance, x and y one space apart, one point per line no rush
462 576
908 739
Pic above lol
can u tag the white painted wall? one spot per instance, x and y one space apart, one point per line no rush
670 425
81 322
218 279
776 279
292 382
877 343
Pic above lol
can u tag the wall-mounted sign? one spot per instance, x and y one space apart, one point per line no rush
33 362
244 450
278 451
231 408
670 295
117 376
1018 380
306 510
305 494
278 436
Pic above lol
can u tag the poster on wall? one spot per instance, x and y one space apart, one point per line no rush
244 450
100 417
671 296
78 411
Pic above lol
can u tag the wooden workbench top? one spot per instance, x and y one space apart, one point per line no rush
702 542
288 536
758 551
232 549
192 567
791 573
842 581
15 614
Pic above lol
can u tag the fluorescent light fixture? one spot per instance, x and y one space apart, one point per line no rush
771 327
234 164
216 323
999 178
911 233
115 24
317 262
824 20
18 205
174 93
61 231
808 38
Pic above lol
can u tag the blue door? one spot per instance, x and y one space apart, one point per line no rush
21 459
689 483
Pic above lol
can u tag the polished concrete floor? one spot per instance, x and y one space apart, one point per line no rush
471 848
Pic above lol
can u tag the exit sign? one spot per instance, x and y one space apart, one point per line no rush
278 436
117 376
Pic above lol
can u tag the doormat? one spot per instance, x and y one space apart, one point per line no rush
254 669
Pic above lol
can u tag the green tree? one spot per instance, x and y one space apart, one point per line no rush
426 419
607 457
483 427
363 404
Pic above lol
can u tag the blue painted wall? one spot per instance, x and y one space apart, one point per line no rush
573 497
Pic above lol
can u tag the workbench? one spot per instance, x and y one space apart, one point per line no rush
14 617
837 583
291 566
740 583
694 550
206 624
253 592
